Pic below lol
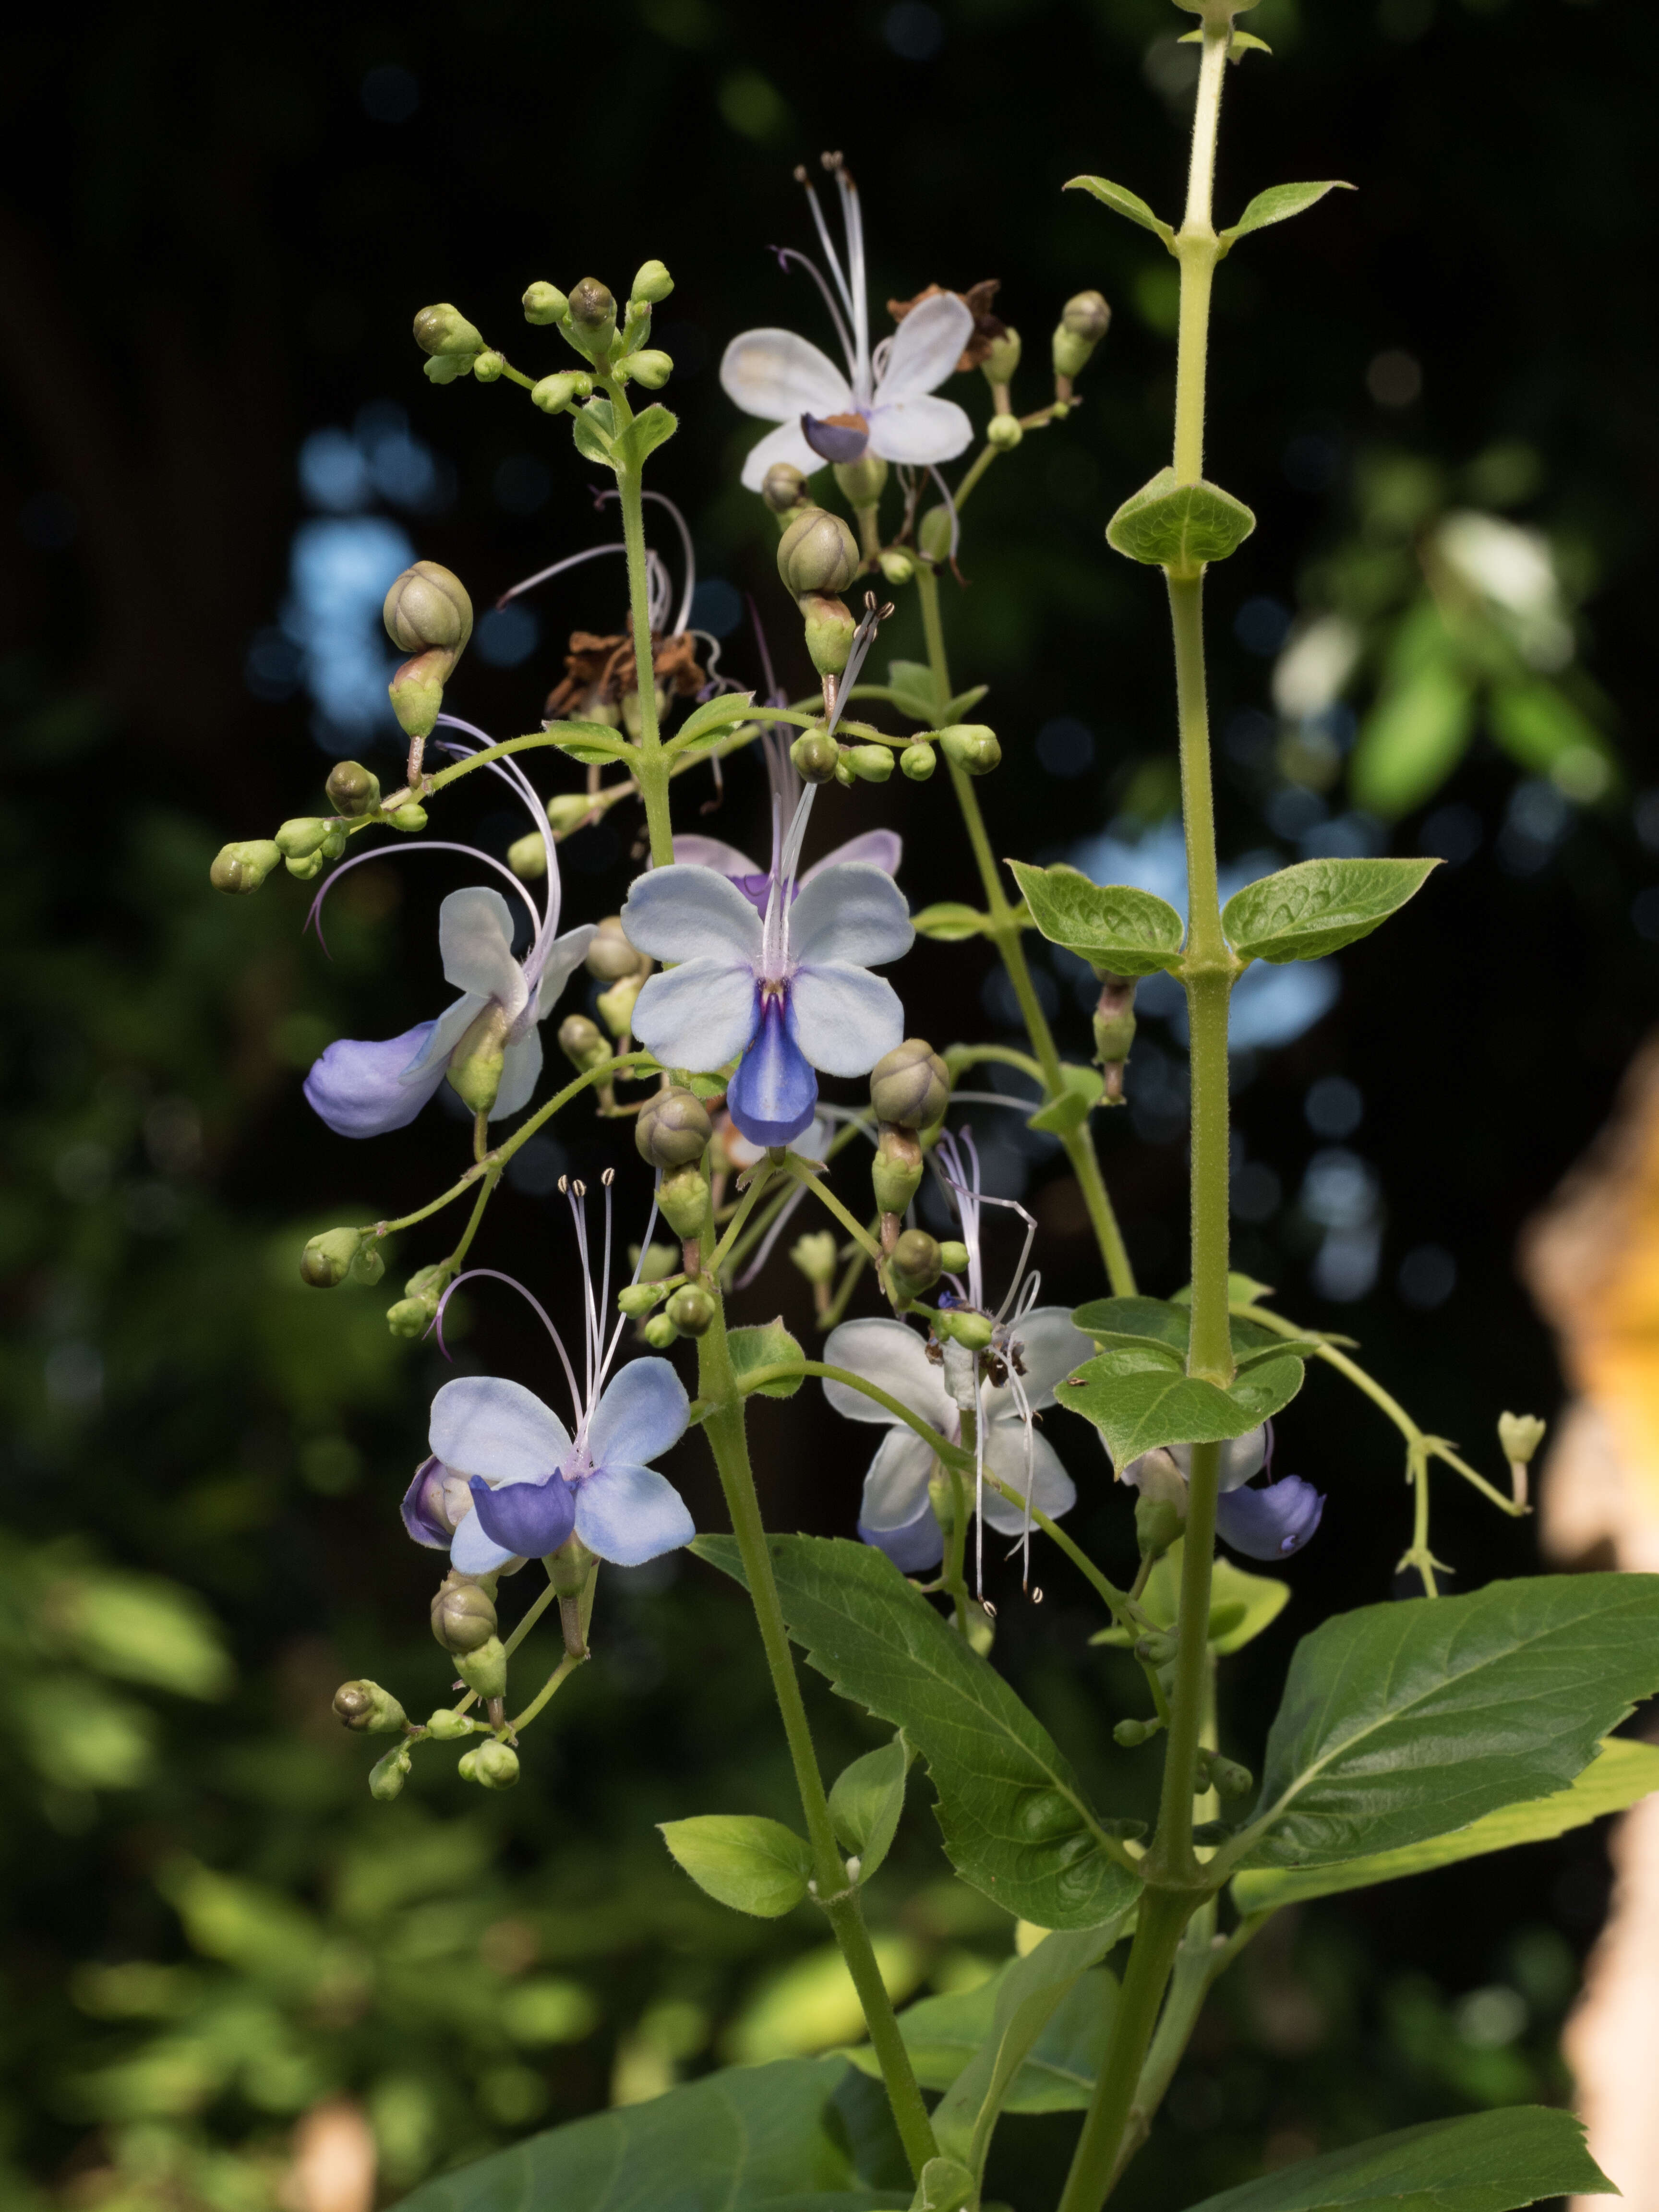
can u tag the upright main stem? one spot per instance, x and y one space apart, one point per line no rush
653 769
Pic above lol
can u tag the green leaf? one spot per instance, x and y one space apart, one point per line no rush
741 1859
915 692
1138 1400
942 2034
594 427
1278 204
1622 1774
1406 1721
1112 925
649 429
1123 203
139 1628
1317 906
1412 739
1014 1819
955 710
713 715
588 741
950 921
1538 726
946 2186
1071 1109
1240 1605
1179 526
1163 1325
750 2136
866 1800
1483 2162
770 1345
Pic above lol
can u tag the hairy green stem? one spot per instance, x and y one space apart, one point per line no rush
651 772
1164 1916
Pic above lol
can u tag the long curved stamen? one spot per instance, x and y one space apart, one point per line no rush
786 254
830 253
570 560
852 217
863 638
785 861
575 1193
950 505
513 1283
511 775
769 1243
404 853
1029 1420
659 591
622 1321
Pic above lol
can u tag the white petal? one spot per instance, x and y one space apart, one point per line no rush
895 1488
475 936
785 443
564 955
852 912
925 349
698 1016
642 1411
1052 1349
715 853
894 1358
920 430
1053 1491
629 1514
690 913
451 1026
781 377
882 848
521 1067
1242 1457
483 1424
844 1018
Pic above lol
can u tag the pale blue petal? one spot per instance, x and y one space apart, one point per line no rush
1053 1491
781 376
852 912
1241 1458
629 1514
357 1085
845 1018
918 431
1051 1349
787 443
474 1552
444 1034
643 1410
925 349
521 1067
484 1424
894 1359
715 853
684 912
564 955
919 1544
475 936
775 1094
895 1486
699 1015
882 848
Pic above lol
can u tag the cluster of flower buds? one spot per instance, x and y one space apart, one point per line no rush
306 844
587 316
1114 1032
330 1257
1084 321
612 961
413 1314
909 1091
429 616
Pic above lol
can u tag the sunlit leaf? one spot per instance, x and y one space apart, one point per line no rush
1112 925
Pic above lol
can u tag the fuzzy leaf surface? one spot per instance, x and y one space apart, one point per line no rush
1278 204
1112 925
1138 1396
1122 202
1317 906
754 1865
767 1345
1179 526
866 1800
713 715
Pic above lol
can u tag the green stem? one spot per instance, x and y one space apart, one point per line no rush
843 1297
492 1177
1190 1983
740 1213
651 773
1164 1916
794 1165
1197 252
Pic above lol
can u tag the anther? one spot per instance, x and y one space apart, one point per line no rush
988 1608
1036 1596
564 1186
580 1189
610 1176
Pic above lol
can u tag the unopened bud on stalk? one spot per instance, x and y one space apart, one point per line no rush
910 1085
369 1264
691 1309
410 1318
915 1262
897 566
489 366
326 1258
871 764
544 303
427 606
1228 1778
242 868
528 857
818 553
409 818
615 1006
862 483
650 366
484 1669
652 283
593 316
1519 1435
1129 1734
610 956
367 1709
1084 321
971 747
659 1333
494 1764
353 789
416 691
963 1325
566 387
896 1175
784 488
445 367
953 1257
1158 1523
683 1196
581 1043
445 331
638 1299
476 1065
568 811
827 627
1004 432
303 838
335 841
933 536
918 763
814 1254
388 1775
999 364
463 1613
306 871
815 757
1114 1033
448 1726
844 775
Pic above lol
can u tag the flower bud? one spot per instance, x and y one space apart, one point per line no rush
367 1709
971 747
1114 1033
544 303
448 1726
638 1299
691 1309
485 1668
815 757
553 394
963 1325
1228 1778
580 1042
815 1255
489 366
494 1764
934 535
476 1065
1004 432
571 808
910 1085
335 841
353 789
650 366
615 1006
1158 1523
918 763
445 331
301 839
410 1318
915 1262
1519 1435
416 690
953 1257
1002 359
656 1263
896 1171
683 1198
388 1776
528 857
242 868
818 553
593 315
307 870
828 627
326 1258
463 1613
1131 1734
445 367
1157 1646
844 775
410 818
659 1333
897 566
652 283
862 483
427 606
672 1130
369 1264
784 488
610 956
1084 321
871 764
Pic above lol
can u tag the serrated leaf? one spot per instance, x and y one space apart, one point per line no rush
1137 1401
1014 1819
1112 925
1278 204
652 426
866 1800
915 692
950 921
1406 1721
753 1865
767 1345
1317 906
1180 527
1124 202
1618 1777
1483 2162
588 741
594 426
1071 1109
1240 1605
713 715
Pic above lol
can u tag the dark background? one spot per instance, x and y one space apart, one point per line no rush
214 232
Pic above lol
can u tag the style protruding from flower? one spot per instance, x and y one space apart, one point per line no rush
1266 1523
885 404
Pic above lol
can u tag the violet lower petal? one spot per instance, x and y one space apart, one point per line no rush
1272 1522
530 1518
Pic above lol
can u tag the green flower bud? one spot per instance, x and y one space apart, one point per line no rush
443 329
844 775
918 763
444 369
933 536
659 1333
915 1262
242 868
896 1171
484 1670
553 394
656 1263
580 1042
299 839
1084 321
897 566
427 606
494 1764
1004 432
593 315
410 1318
971 746
528 857
335 841
953 1257
1003 359
784 488
463 1613
965 1326
416 690
489 366
409 818
652 283
305 872
1157 1646
815 1255
650 366
910 1085
638 1299
1130 1733
367 1709
615 1006
448 1726
475 1066
544 303
673 1129
828 629
691 1309
388 1776
369 1264
570 810
815 757
1519 1435
1228 1778
1158 1523
352 789
610 956
683 1198
326 1258
871 764
1114 1032
862 483
818 553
